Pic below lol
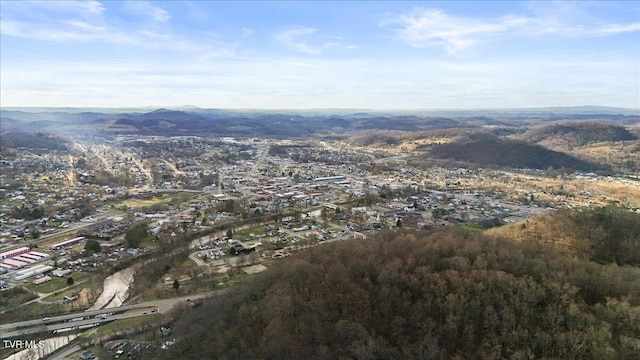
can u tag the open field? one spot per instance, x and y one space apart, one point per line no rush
176 199
57 283
50 286
125 324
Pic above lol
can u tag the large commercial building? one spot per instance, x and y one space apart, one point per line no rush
67 243
330 178
19 258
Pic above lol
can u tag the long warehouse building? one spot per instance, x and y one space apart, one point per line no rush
23 259
42 255
14 263
67 243
31 256
32 272
14 252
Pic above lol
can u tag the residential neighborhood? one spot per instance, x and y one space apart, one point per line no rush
70 218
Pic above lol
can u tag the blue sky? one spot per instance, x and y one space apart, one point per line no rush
333 54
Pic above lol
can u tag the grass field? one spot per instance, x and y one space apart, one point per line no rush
93 284
57 283
60 295
137 204
233 280
126 324
31 311
177 199
50 286
258 230
471 229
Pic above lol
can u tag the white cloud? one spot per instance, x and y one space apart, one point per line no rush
72 30
291 38
157 63
78 6
147 9
93 6
86 26
613 29
431 27
69 32
315 82
75 23
247 32
53 8
424 28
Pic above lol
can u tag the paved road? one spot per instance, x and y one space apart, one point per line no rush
66 354
57 327
61 318
58 322
69 325
259 161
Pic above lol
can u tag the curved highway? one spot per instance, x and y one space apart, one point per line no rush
88 318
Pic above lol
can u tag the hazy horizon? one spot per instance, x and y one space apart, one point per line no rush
152 108
320 55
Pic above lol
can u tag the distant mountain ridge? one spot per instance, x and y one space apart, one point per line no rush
196 121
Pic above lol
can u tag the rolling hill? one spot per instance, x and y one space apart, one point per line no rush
298 124
437 295
573 134
489 150
35 141
605 235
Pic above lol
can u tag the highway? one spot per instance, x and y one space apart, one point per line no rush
58 322
61 318
66 354
68 325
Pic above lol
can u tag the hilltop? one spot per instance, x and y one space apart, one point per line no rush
489 150
573 134
436 295
34 141
605 235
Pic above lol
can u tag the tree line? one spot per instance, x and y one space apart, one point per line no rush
442 294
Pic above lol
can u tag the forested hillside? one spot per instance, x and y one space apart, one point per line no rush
605 235
437 295
493 151
31 140
574 134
